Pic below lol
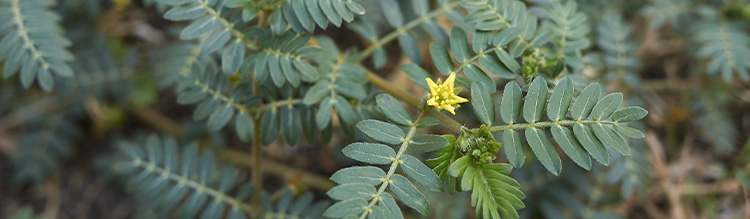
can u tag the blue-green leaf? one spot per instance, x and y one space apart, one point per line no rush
366 174
484 108
419 172
381 131
393 109
407 193
371 153
544 150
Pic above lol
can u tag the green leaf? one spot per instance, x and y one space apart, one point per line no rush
409 195
611 139
317 14
458 167
467 180
345 110
544 150
389 204
606 106
428 122
244 126
352 190
377 213
277 75
629 114
220 118
381 131
346 207
289 72
427 143
198 28
231 58
567 141
586 101
441 58
492 64
290 124
410 47
308 72
417 74
323 117
419 172
557 108
371 153
510 105
185 12
327 7
513 148
509 61
215 41
629 132
350 89
317 92
475 74
535 99
393 109
392 13
270 124
459 45
261 67
367 174
591 143
484 108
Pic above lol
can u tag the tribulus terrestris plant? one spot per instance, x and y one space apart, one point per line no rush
444 109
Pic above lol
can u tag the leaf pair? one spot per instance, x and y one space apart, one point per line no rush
357 192
596 122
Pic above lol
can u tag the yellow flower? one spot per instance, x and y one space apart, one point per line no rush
443 95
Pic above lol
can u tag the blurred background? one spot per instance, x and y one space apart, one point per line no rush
685 61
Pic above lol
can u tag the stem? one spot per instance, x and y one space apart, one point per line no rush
43 106
411 100
377 43
546 124
256 169
276 168
156 119
394 166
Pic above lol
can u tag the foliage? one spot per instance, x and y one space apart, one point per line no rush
550 83
161 174
31 43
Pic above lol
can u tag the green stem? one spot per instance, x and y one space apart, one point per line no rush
394 166
546 124
377 43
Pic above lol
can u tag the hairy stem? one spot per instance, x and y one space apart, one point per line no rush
546 124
